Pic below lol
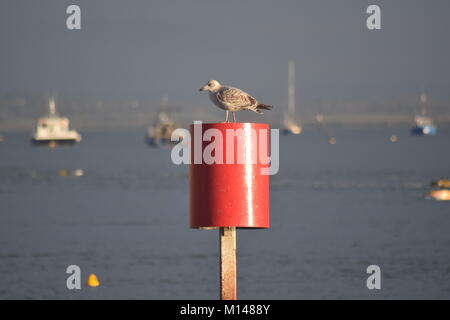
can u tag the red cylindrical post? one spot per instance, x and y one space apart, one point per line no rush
227 187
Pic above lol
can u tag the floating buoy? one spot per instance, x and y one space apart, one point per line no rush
393 138
332 140
319 118
78 172
63 173
440 195
93 281
441 183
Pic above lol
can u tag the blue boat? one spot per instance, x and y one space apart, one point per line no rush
424 125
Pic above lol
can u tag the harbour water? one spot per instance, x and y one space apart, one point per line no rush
335 210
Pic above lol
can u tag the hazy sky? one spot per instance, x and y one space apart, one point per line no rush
150 48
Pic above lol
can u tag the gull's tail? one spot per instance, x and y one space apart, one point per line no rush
264 106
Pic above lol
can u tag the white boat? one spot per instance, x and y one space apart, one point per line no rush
290 126
54 129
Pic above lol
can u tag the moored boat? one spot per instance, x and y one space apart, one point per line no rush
53 129
160 133
424 125
290 126
440 195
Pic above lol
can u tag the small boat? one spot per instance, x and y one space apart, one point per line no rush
424 125
440 195
160 133
290 126
441 183
53 129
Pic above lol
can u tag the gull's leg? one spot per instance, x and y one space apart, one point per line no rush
226 116
234 116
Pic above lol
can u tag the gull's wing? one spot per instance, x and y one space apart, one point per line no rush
235 97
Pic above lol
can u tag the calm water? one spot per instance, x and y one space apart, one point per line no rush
335 209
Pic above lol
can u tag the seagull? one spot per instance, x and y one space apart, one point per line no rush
232 99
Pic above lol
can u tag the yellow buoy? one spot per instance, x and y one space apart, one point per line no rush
393 138
441 195
332 140
93 281
63 173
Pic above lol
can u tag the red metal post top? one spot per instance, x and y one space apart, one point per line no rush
230 191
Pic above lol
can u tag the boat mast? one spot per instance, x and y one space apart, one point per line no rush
291 89
164 102
52 107
423 103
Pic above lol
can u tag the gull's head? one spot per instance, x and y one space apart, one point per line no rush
212 86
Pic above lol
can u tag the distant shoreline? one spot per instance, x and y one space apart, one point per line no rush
28 126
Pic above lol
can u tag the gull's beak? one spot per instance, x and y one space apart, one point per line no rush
202 89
